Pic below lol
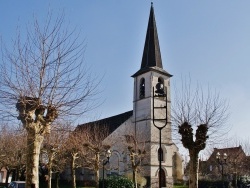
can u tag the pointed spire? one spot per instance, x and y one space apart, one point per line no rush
151 54
151 58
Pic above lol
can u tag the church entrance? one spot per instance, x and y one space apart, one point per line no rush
163 178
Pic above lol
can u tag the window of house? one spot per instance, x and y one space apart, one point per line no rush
211 168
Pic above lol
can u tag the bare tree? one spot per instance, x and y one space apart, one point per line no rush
204 112
13 153
43 76
136 147
95 148
73 151
53 150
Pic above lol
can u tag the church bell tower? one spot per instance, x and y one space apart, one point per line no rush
151 104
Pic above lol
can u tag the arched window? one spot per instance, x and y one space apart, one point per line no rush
160 154
142 88
163 178
160 79
160 87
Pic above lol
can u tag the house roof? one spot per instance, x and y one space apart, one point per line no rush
233 153
111 123
151 58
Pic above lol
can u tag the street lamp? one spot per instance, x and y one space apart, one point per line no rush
104 162
159 93
222 161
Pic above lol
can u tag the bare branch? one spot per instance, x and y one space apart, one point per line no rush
203 112
43 78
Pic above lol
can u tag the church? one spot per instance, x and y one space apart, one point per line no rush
148 125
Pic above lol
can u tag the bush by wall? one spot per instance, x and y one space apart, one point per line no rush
212 184
117 181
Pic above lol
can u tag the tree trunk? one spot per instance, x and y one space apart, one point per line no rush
18 171
193 169
34 141
7 176
49 173
97 176
57 179
134 178
97 168
14 175
73 173
132 158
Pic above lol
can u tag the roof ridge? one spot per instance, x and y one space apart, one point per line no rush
112 122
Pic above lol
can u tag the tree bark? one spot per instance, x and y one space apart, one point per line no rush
7 175
57 179
73 173
193 170
134 167
97 176
49 178
97 168
34 141
134 178
49 172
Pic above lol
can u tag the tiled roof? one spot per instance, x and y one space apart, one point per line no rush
236 161
232 152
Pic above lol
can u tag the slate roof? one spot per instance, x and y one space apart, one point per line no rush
151 58
112 123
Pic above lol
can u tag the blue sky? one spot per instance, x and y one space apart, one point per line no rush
207 40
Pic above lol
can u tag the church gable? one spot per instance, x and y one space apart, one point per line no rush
111 123
117 138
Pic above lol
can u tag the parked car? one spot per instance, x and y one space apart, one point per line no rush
17 184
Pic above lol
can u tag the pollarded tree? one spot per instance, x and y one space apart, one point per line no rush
137 153
203 112
43 77
73 152
94 147
13 153
53 150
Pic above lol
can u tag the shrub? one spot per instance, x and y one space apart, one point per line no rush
212 184
118 181
141 181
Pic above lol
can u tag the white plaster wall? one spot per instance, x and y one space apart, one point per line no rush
117 140
143 124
